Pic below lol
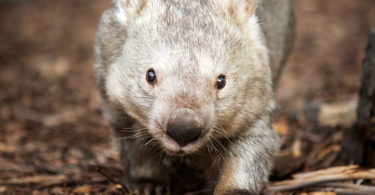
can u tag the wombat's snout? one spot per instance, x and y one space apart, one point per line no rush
184 126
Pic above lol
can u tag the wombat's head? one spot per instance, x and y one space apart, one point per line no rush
191 71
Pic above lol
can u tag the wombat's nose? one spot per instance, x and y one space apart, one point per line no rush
184 126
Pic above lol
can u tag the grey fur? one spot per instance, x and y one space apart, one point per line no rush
277 19
189 43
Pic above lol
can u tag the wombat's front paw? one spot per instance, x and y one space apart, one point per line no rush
148 188
239 192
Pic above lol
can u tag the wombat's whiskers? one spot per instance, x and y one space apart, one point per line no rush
220 131
149 142
140 133
131 129
215 149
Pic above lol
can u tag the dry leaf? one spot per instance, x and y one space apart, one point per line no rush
296 148
7 148
57 190
82 189
343 114
281 127
3 189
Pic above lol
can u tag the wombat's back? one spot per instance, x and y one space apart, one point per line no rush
277 19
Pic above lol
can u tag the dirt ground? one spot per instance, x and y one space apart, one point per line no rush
53 137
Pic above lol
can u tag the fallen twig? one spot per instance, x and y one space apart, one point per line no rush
126 190
323 176
350 188
45 180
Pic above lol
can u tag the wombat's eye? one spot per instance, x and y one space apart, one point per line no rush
220 82
151 76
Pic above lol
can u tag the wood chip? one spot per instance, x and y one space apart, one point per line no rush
343 114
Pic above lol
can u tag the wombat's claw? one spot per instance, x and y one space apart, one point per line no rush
150 189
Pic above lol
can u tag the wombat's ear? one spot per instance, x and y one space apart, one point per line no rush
244 9
127 10
240 10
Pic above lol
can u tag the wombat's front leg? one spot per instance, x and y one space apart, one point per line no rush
142 166
143 171
249 161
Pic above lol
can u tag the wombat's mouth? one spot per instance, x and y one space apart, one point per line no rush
171 147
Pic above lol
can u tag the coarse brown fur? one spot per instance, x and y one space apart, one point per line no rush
189 43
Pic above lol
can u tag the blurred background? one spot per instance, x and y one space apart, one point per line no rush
51 128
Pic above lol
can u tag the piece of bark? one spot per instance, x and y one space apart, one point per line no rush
365 109
358 145
324 154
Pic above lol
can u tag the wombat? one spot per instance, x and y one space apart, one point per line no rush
187 87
